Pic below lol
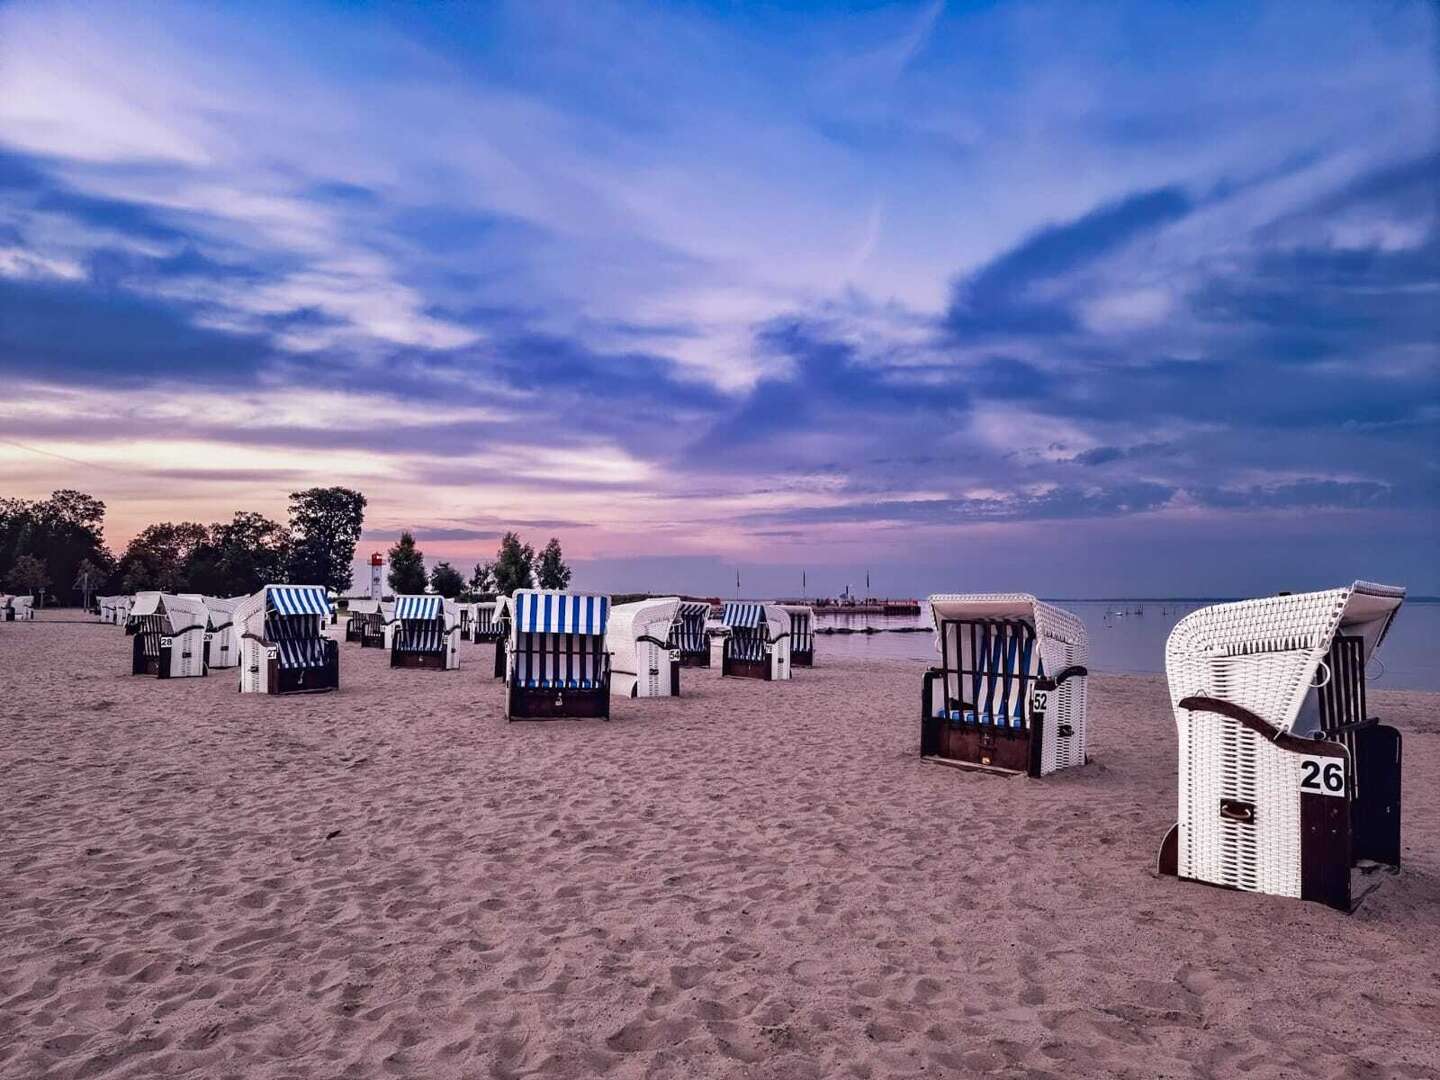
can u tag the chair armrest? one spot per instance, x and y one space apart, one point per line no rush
1243 716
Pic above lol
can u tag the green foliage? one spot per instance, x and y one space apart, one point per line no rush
482 581
27 575
239 556
62 532
553 573
407 567
514 565
325 526
160 556
446 580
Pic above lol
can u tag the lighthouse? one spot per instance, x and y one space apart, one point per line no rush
376 562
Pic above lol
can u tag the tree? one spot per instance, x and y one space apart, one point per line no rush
62 532
159 557
239 556
324 529
446 580
407 567
482 581
514 565
553 573
28 575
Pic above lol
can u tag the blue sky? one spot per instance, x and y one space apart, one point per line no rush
1077 298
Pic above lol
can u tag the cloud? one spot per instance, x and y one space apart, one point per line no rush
714 279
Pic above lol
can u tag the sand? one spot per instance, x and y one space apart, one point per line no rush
755 880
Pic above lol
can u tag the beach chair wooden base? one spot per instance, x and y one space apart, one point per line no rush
984 749
305 680
372 640
558 703
499 659
695 659
745 669
431 661
802 659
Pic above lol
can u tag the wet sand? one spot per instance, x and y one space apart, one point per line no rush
754 880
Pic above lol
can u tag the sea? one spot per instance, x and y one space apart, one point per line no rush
1128 636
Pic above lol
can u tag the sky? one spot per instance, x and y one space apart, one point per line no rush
1122 299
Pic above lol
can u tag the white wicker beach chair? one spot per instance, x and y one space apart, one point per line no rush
1010 692
502 616
1285 782
758 646
222 641
642 664
424 632
556 663
169 636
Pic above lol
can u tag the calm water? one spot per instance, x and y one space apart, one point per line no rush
1135 641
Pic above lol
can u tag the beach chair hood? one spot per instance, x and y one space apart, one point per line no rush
1265 654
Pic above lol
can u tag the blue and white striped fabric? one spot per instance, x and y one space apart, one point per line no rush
418 637
688 633
747 615
1002 662
560 661
747 646
294 638
419 607
802 634
298 599
538 612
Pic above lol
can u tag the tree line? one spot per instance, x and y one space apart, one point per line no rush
515 566
56 547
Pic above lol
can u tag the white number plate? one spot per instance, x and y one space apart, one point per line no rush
1322 775
272 654
166 642
1039 701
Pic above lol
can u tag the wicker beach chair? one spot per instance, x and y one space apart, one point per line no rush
1285 782
642 664
169 636
1010 692
758 646
802 634
283 647
556 663
501 619
424 633
222 643
688 637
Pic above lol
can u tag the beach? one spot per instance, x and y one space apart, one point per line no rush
752 880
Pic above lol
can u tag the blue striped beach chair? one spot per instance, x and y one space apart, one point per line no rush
556 662
424 633
758 646
1010 692
688 636
283 646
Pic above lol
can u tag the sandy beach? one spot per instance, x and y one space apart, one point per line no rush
754 880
